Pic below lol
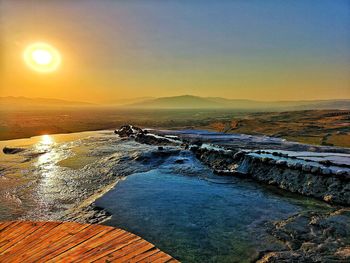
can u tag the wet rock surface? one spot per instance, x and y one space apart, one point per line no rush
30 179
143 136
128 131
330 185
318 177
90 214
312 237
298 178
307 237
9 150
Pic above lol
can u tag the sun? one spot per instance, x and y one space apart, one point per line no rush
42 57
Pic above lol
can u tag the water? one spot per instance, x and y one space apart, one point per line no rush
171 200
56 172
200 217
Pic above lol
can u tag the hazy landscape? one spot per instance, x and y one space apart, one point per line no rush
175 131
315 122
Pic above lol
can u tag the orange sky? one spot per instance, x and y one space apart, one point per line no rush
112 50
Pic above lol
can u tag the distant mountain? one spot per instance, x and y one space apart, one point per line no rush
195 102
24 103
114 102
185 101
176 102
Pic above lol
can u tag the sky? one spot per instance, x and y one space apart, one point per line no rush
239 49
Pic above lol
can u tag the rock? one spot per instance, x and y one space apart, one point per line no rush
238 155
194 148
180 161
152 139
306 168
326 171
197 142
315 169
291 165
281 162
142 136
328 198
298 166
326 162
265 160
341 173
128 130
312 237
272 161
8 150
277 257
298 178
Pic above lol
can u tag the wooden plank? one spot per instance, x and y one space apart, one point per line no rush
8 230
29 241
116 255
20 234
163 258
81 250
62 246
73 242
53 241
143 255
107 247
90 244
156 257
18 229
134 251
3 225
151 257
62 254
112 246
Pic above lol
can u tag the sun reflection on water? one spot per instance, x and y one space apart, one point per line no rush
45 143
46 146
46 140
46 167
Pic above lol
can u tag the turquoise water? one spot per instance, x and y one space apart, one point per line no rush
203 218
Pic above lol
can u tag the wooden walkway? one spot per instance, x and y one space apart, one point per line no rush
23 241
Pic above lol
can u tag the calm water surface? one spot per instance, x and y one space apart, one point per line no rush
200 220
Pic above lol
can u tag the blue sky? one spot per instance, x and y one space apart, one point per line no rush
271 49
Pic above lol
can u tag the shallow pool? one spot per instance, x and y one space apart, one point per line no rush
203 218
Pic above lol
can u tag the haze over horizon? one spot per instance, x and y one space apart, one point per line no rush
115 50
127 101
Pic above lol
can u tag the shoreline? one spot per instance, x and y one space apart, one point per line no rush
87 212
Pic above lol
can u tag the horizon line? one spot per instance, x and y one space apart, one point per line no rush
154 98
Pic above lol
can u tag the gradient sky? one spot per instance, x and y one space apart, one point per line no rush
252 49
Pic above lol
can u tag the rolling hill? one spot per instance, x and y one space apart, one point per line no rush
195 102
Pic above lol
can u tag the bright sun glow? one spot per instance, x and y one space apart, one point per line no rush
46 139
42 57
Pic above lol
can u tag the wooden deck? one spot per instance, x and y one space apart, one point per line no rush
23 241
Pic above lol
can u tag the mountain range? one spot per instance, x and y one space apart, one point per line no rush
195 102
176 102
